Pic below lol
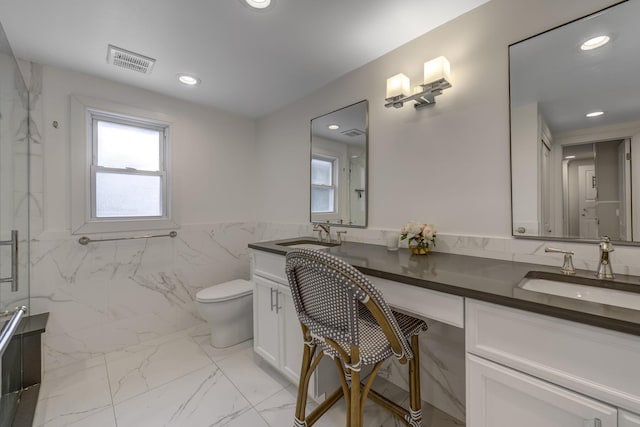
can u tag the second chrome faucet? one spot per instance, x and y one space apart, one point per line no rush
604 270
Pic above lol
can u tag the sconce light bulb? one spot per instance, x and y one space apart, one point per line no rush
437 69
398 86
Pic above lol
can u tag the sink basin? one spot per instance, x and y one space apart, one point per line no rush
591 291
308 244
315 246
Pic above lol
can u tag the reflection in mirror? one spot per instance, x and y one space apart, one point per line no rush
575 129
339 166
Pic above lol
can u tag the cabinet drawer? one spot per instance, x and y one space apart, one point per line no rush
435 305
594 361
503 397
270 266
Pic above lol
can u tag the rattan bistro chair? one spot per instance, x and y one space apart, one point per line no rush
345 317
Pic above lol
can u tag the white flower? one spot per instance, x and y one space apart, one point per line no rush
418 232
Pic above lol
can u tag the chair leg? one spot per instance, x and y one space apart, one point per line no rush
303 386
356 420
415 409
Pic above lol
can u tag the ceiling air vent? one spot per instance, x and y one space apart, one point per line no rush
352 132
129 60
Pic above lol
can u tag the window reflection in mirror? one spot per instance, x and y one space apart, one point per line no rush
572 170
339 166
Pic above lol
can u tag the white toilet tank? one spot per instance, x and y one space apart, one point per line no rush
228 308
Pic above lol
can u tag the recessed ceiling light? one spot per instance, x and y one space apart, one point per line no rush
595 113
259 4
595 42
188 80
333 127
570 157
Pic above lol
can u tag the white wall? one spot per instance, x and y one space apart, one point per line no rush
107 296
525 153
448 165
212 152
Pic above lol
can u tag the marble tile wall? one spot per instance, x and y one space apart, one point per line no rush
110 295
33 76
442 369
624 258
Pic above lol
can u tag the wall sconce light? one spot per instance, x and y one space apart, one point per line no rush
437 75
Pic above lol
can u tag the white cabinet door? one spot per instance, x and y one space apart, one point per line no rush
627 419
502 397
292 342
266 340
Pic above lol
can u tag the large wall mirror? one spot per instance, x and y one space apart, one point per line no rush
339 145
575 129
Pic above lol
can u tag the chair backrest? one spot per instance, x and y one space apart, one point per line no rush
327 294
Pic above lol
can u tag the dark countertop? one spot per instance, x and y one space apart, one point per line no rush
484 279
31 325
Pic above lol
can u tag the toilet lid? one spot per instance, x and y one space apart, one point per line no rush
224 291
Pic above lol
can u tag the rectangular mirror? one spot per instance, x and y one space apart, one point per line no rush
575 129
339 150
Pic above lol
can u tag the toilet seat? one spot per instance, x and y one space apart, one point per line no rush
225 291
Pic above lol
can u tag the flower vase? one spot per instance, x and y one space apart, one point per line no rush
419 250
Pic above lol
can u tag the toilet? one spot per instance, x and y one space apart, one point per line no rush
228 308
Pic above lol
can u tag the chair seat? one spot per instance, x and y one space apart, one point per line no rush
374 345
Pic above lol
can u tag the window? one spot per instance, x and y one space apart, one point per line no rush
120 176
128 176
323 189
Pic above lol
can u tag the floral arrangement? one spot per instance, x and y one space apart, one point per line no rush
419 235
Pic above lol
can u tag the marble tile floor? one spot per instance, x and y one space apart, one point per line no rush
180 380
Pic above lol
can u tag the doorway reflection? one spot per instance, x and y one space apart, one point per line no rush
596 181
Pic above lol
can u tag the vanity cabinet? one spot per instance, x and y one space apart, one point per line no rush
266 336
277 332
527 369
277 336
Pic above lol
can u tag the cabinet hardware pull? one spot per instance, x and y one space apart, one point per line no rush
278 307
597 422
13 279
276 302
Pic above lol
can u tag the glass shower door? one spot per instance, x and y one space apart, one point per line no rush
14 217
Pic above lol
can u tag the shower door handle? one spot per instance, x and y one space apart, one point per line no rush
13 279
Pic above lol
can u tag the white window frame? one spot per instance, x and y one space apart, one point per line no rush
83 167
334 184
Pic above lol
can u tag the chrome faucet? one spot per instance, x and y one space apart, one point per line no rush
323 227
567 266
604 266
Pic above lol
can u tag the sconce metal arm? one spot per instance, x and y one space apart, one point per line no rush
426 98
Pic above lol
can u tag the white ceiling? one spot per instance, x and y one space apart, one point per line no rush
251 62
